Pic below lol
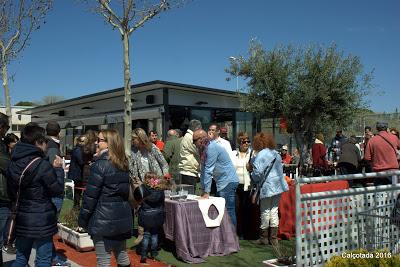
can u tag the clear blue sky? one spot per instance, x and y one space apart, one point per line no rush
76 53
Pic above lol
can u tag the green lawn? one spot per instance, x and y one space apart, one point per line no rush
249 254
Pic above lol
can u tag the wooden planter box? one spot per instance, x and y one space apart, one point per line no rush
81 241
274 263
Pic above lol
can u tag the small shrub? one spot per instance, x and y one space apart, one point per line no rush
70 219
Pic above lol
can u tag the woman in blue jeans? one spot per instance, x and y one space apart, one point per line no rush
36 221
217 164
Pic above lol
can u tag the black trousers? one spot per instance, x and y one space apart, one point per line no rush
191 180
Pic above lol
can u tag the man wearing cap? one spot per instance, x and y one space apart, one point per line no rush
286 158
381 153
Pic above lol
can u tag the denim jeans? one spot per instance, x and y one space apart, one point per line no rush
147 238
58 202
4 214
43 251
229 193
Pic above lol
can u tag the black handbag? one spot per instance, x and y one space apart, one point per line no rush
256 187
10 231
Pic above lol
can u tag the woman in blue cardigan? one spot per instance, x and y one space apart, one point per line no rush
272 188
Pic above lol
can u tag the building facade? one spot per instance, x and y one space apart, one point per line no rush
156 105
18 120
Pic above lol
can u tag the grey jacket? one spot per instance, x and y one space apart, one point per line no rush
157 163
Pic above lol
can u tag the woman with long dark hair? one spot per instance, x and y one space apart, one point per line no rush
81 159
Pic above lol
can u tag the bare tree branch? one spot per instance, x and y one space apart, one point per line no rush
110 20
131 12
18 19
150 14
109 14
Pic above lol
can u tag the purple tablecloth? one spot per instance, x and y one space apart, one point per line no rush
185 225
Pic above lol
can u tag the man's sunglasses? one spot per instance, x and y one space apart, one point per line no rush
246 142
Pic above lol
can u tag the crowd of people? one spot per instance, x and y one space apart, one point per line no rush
377 153
203 158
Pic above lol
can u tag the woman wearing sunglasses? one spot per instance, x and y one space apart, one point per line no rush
242 157
105 212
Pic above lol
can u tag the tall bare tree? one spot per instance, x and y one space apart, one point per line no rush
132 15
18 19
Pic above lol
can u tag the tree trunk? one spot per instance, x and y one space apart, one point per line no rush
273 125
127 99
6 93
302 147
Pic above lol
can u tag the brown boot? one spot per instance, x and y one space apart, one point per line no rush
273 236
263 240
139 238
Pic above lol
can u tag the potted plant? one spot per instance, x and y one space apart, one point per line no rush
72 234
285 256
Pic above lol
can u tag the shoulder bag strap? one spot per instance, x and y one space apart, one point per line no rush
266 173
391 145
20 180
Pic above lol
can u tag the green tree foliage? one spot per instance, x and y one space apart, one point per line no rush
25 103
315 88
268 75
50 99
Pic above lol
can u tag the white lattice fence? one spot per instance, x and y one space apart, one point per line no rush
330 221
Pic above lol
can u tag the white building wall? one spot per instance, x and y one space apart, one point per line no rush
17 120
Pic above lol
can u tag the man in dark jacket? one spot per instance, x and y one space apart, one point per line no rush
53 151
36 221
349 159
4 161
171 152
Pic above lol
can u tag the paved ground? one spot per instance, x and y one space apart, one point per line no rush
9 259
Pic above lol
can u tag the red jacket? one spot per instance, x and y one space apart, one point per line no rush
318 155
381 154
160 145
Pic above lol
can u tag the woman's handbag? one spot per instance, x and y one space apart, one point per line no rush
133 184
256 187
10 231
254 192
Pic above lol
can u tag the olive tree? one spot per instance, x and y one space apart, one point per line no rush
315 88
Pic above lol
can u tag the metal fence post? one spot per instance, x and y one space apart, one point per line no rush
298 223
